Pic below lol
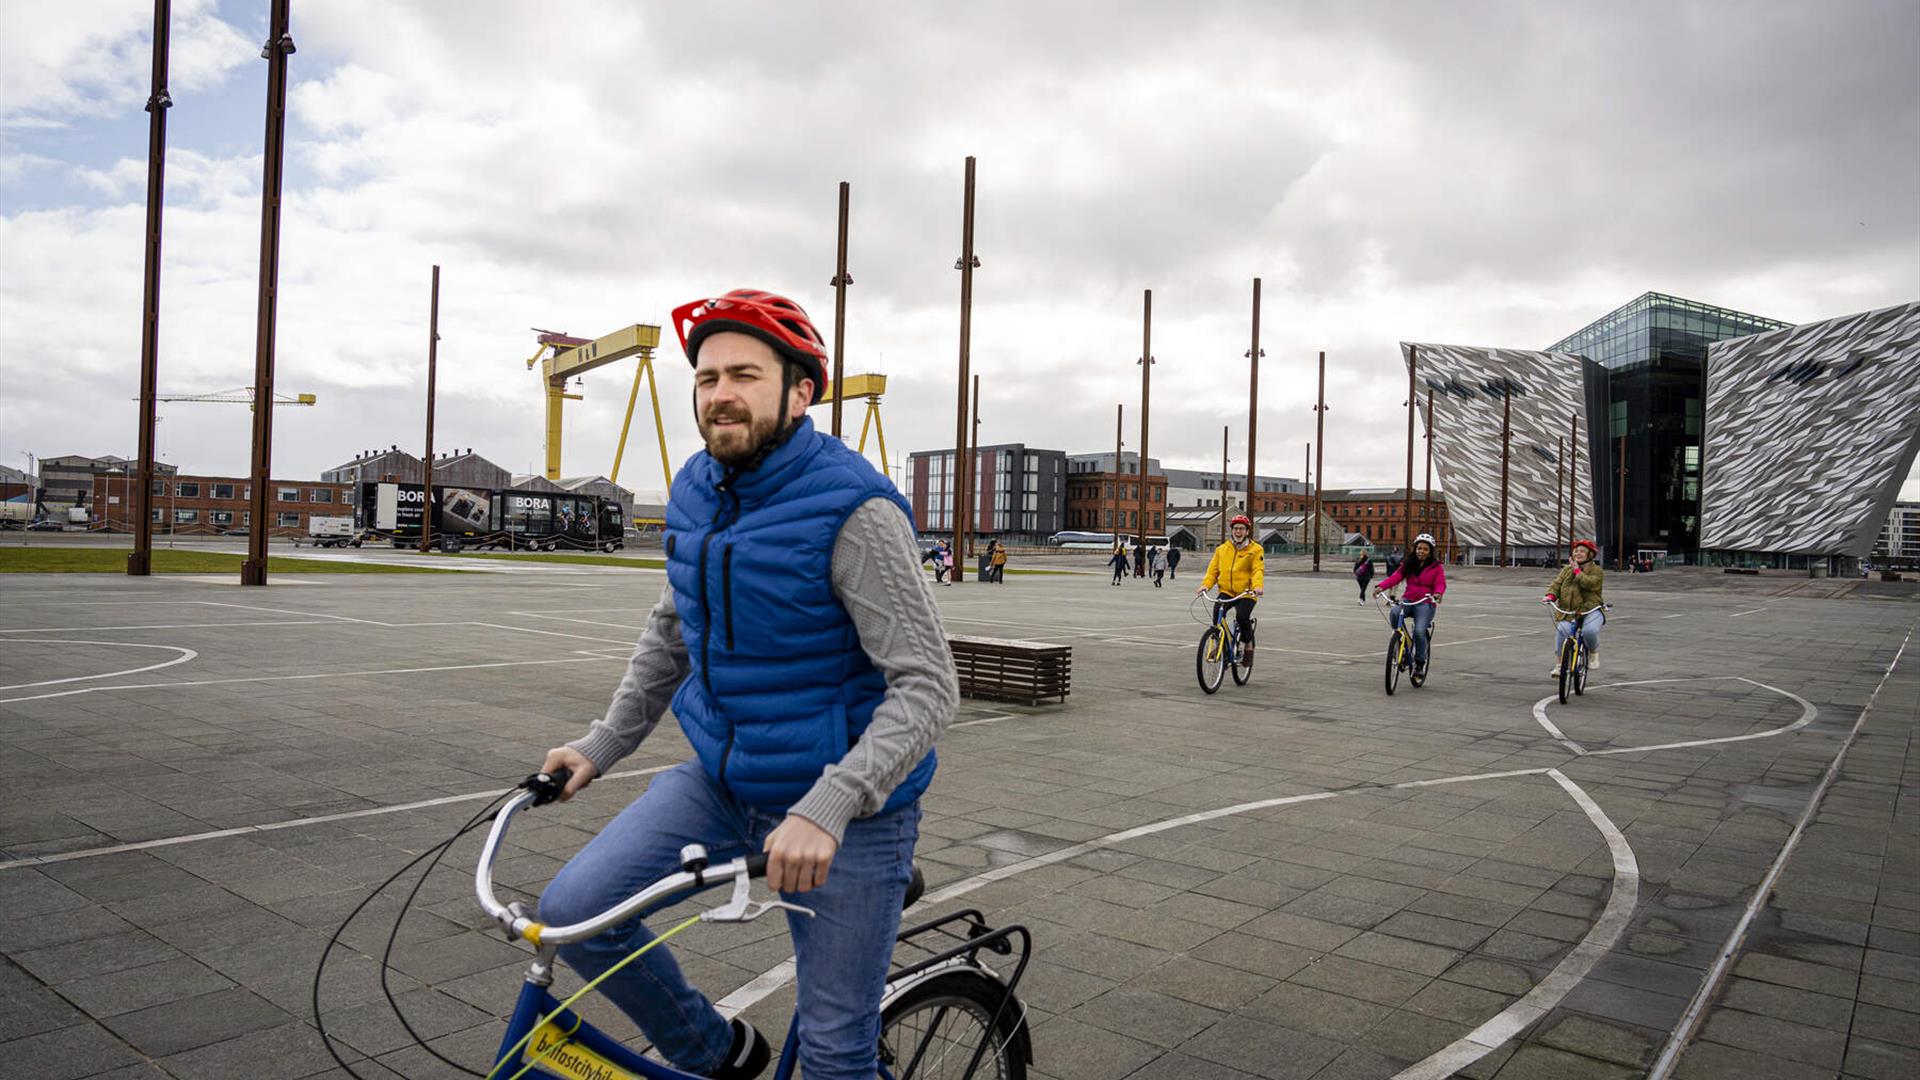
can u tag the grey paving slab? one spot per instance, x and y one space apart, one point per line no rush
1339 937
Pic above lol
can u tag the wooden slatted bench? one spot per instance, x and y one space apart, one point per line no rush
1026 672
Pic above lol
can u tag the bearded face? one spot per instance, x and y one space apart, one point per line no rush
737 396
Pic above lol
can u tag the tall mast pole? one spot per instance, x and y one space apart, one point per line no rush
1426 501
1413 406
1253 400
140 561
961 466
433 356
841 279
279 46
973 457
1320 459
1120 474
1559 500
1146 407
1573 480
1225 501
1506 440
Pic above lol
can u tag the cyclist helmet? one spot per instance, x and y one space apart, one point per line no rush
1241 519
1427 539
1589 545
774 319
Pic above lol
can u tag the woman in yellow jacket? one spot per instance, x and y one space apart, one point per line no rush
1238 566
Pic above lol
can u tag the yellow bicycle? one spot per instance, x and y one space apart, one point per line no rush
1400 650
1221 649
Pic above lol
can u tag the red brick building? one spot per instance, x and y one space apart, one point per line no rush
1110 502
1379 514
217 504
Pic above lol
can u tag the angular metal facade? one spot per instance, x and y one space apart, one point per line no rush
1550 392
1810 432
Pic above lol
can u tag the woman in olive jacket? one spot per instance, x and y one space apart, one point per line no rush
1577 589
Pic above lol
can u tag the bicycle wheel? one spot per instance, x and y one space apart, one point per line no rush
933 1030
1242 662
1395 647
1580 673
1210 661
1567 654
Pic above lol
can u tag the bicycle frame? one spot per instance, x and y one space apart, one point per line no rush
1222 616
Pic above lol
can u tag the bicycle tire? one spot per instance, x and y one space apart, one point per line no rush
1210 661
1242 666
1580 674
1567 654
1394 646
986 1012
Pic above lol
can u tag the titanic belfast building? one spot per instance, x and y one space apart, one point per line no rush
1682 432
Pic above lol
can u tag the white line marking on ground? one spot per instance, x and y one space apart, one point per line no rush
1565 975
1750 611
551 633
585 622
984 720
294 823
1696 1008
1807 713
160 626
1675 615
591 657
186 654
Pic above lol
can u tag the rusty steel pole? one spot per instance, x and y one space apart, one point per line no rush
1119 472
279 46
1320 460
1413 406
973 460
1573 482
961 466
140 560
841 279
1506 440
1146 406
1559 500
1253 400
433 356
1225 506
1426 495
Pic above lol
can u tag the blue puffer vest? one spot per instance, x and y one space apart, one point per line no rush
780 687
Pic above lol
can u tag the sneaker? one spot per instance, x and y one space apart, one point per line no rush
1556 671
749 1055
1593 662
1420 669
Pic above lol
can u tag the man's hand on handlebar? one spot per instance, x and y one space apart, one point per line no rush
798 855
566 757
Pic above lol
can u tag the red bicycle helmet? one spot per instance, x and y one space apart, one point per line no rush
1241 519
774 319
1592 549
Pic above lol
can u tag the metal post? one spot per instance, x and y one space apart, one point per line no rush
433 354
140 561
1573 482
1320 459
1225 502
1426 497
1413 406
1146 406
1506 440
1253 399
279 46
1119 472
1620 515
1559 500
965 264
841 280
973 464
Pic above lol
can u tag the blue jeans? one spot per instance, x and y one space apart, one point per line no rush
1589 631
1422 626
842 953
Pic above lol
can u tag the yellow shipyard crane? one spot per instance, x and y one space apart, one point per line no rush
241 396
868 388
562 357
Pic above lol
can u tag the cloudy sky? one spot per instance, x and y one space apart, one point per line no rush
1486 173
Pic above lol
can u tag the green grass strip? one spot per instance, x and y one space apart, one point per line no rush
582 558
66 560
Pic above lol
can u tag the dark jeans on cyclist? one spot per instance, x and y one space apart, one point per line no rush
1589 631
1242 614
1422 627
843 951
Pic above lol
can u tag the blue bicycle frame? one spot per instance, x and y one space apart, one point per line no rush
576 1050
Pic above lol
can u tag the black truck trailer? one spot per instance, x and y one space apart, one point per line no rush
515 519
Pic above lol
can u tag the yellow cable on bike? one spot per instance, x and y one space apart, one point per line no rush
576 996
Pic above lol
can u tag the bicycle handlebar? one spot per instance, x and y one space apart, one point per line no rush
1223 598
543 788
1430 598
1574 614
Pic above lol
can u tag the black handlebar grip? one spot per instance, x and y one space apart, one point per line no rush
546 787
757 865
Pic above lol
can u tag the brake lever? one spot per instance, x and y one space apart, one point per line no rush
742 908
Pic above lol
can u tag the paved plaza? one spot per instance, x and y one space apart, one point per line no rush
1301 877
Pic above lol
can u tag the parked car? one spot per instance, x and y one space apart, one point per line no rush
48 525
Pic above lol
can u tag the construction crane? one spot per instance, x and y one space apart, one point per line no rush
869 388
562 357
241 396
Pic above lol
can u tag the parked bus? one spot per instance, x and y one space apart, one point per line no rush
514 518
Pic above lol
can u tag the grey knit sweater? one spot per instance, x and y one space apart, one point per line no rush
876 576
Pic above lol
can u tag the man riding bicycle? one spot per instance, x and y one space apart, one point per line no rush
1577 589
802 654
1238 566
1424 576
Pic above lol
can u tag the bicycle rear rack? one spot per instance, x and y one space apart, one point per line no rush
973 935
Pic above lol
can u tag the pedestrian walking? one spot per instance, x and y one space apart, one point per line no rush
1393 561
999 564
1363 573
1173 562
946 560
942 562
1118 562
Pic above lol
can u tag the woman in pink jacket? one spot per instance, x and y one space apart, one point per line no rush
1424 576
